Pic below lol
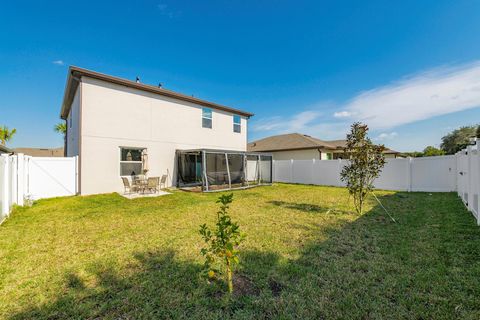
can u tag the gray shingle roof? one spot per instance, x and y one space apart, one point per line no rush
291 141
297 141
4 149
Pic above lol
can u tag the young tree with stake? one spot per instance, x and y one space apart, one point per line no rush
366 161
221 253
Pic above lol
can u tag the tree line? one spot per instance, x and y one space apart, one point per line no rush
453 142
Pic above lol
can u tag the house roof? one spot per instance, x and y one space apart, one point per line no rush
4 149
298 141
340 144
75 74
291 141
41 152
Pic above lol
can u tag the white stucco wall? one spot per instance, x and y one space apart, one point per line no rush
73 126
115 116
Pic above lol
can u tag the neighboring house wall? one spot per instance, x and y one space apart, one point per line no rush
115 116
41 152
73 126
309 154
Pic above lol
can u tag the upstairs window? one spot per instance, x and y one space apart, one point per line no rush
237 126
207 118
131 163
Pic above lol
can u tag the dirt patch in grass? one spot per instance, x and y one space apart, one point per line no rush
243 286
276 287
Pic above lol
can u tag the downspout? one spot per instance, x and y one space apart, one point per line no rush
65 137
319 154
245 170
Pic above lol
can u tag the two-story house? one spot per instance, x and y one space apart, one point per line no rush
111 122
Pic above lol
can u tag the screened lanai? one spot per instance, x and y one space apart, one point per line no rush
213 170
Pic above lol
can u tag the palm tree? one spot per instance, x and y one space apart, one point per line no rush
60 128
6 134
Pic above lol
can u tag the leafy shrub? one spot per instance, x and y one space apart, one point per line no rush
221 253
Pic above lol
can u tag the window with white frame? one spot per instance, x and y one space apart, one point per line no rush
237 126
131 163
207 118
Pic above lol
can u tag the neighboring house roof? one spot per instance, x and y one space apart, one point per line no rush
4 149
298 141
291 141
341 144
75 74
41 152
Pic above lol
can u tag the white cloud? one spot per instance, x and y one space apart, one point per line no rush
428 94
421 96
342 114
58 62
165 10
306 122
386 136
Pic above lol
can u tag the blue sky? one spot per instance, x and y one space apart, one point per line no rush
410 69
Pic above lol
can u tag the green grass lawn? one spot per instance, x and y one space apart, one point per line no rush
306 256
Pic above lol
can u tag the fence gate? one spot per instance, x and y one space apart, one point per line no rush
50 177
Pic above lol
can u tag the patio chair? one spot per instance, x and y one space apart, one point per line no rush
128 188
163 181
153 184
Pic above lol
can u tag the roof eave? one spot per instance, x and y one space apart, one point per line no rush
75 74
293 149
5 149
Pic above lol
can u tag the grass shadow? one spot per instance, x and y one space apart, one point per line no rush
308 207
368 268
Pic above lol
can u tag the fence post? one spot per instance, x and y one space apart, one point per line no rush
339 171
455 172
274 173
312 172
291 171
477 181
14 180
20 178
469 179
6 196
77 177
409 174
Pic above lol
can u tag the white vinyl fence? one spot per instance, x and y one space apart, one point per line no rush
24 177
434 174
468 178
460 172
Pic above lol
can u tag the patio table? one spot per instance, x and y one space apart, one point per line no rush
140 183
